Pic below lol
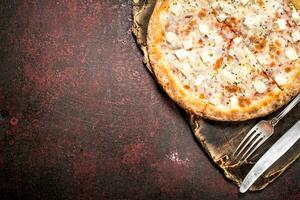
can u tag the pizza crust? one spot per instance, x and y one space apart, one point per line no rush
292 87
198 106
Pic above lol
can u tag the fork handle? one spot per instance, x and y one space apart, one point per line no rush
283 113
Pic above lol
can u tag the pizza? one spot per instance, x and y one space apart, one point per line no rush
226 60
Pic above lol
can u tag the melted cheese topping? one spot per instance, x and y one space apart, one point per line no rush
271 30
222 51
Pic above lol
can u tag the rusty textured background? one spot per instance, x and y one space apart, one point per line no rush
81 118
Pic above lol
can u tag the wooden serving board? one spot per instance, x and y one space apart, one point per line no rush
220 139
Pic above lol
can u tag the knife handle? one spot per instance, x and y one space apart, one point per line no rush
285 111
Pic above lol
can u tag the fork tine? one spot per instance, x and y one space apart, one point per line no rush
237 151
246 144
255 148
254 145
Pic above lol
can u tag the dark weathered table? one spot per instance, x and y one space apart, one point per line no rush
82 118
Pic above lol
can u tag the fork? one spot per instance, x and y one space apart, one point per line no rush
260 133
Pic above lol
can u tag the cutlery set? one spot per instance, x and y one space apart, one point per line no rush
257 136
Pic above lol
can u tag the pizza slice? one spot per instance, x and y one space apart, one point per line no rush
278 53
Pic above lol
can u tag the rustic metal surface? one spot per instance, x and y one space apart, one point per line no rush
220 139
82 118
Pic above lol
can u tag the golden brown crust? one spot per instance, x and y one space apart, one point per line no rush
292 87
198 106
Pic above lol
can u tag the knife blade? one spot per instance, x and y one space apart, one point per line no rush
278 149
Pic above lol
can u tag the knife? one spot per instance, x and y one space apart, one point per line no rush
271 156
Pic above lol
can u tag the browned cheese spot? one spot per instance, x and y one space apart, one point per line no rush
278 44
288 69
231 22
232 88
278 52
272 64
253 39
200 42
214 12
218 63
260 44
230 58
243 102
261 3
186 87
201 96
202 13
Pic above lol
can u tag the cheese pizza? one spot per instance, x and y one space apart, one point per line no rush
226 60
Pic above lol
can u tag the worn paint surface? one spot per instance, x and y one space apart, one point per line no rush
81 118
